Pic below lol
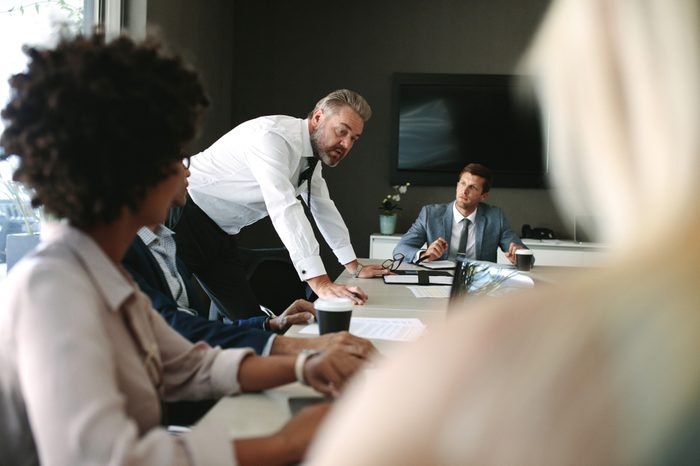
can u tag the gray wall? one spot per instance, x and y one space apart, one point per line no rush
282 56
202 32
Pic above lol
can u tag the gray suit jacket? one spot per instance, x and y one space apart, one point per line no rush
435 220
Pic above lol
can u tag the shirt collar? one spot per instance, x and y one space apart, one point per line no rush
149 237
306 139
458 216
110 279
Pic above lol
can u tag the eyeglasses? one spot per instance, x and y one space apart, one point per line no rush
394 263
186 161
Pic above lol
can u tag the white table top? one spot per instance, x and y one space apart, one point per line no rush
264 413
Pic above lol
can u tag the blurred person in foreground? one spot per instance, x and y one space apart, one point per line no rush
602 370
85 361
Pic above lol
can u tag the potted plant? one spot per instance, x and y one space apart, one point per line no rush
389 207
19 222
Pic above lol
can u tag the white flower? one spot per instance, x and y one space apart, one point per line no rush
403 189
396 197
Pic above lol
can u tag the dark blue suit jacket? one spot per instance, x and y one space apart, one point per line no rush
147 273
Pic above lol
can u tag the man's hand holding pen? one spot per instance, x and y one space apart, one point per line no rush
435 251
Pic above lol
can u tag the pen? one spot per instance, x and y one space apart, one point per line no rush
421 259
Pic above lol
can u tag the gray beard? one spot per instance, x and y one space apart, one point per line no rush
318 153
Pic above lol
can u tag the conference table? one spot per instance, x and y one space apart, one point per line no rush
254 414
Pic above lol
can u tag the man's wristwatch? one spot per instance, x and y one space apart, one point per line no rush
358 270
303 356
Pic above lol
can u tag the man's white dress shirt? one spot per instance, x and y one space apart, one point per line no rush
457 219
161 244
253 171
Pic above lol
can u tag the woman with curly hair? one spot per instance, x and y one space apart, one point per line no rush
85 362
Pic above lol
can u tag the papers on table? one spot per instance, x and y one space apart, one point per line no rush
430 291
413 279
379 328
437 265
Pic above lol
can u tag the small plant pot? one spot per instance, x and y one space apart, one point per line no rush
387 224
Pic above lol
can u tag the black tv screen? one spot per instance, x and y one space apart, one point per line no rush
441 122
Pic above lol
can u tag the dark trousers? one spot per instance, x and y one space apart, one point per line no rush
212 254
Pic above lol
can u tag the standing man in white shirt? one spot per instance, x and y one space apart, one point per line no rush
258 169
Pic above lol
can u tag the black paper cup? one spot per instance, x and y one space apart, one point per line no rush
333 315
524 260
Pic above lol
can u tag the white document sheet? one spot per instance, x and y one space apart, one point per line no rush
379 328
430 291
437 265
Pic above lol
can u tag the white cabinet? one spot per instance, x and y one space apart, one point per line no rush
382 246
564 253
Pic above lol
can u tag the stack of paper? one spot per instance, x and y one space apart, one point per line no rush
379 328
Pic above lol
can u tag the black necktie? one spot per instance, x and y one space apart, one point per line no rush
306 176
465 234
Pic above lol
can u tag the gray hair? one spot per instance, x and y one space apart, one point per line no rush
341 98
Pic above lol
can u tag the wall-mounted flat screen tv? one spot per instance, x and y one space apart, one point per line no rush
441 122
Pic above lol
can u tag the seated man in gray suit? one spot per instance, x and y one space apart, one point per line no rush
466 225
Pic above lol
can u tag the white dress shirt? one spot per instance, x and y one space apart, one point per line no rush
253 171
457 218
161 244
85 362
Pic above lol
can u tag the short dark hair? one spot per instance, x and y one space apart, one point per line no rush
97 123
478 169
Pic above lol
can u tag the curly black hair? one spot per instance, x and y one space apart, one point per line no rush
96 123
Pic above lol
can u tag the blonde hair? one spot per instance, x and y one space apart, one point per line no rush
620 80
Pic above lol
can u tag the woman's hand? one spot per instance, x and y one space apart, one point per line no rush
328 372
288 446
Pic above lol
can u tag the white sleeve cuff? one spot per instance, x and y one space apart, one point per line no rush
345 254
310 267
224 370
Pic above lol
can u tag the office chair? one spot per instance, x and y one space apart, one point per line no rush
273 278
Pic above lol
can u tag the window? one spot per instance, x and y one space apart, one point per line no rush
38 22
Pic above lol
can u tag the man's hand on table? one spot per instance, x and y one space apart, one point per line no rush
373 271
325 288
299 312
510 254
